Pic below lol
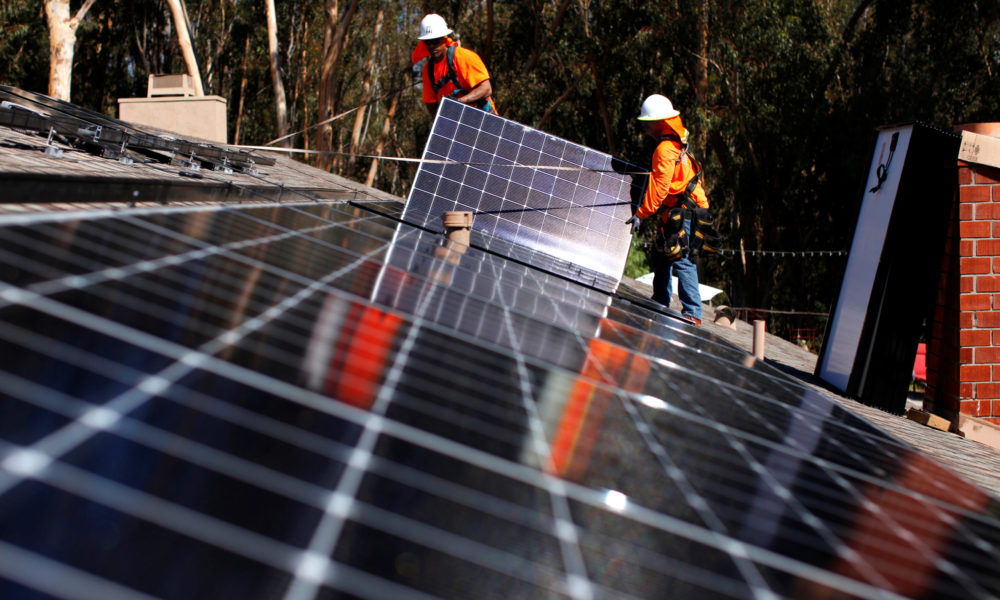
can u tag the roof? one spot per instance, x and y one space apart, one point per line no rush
307 396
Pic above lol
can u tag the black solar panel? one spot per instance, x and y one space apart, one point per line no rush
318 399
306 400
539 192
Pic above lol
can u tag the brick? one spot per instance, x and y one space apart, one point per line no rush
992 420
974 193
975 337
975 373
995 230
986 355
988 211
974 407
967 212
965 174
986 175
966 320
962 391
987 247
986 283
965 356
988 318
987 391
969 283
976 229
976 266
975 302
966 248
996 265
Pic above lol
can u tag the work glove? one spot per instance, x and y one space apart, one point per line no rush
634 222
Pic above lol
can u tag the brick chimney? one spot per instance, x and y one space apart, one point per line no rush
963 352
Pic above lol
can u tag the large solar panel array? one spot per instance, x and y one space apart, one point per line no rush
561 199
313 400
258 402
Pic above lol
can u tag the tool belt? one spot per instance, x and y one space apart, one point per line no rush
673 242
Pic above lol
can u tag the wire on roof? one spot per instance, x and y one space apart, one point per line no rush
789 253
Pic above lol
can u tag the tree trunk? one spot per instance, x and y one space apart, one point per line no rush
303 81
366 93
62 40
602 105
184 41
490 29
280 103
243 89
386 129
701 60
333 45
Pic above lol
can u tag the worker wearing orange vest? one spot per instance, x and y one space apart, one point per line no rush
451 71
675 181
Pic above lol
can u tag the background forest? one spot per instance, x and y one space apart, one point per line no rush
783 97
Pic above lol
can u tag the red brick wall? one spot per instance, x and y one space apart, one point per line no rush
963 352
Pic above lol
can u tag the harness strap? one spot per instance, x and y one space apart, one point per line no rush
451 76
687 198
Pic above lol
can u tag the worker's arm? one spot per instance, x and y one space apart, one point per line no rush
664 160
482 90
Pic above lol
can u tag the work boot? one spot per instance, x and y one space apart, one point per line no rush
697 321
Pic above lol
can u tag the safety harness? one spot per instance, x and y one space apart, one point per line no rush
452 76
671 238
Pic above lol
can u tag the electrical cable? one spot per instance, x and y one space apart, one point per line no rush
340 116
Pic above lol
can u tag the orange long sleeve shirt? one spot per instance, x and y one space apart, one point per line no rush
670 175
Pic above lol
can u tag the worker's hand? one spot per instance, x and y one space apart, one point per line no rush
634 222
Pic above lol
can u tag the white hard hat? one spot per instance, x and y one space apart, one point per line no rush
657 107
433 27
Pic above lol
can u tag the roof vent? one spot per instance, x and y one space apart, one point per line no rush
170 85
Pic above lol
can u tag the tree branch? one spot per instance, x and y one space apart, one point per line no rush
81 13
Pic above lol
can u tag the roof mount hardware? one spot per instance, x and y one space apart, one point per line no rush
51 149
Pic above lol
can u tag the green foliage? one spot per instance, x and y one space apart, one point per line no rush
783 98
637 264
24 45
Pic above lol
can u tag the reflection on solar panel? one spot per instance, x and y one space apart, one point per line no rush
527 187
310 399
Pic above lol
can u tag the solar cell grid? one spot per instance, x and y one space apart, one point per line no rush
503 179
307 399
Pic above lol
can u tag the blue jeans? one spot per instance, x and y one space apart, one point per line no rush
687 280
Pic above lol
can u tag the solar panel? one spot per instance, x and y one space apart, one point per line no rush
539 192
114 138
306 400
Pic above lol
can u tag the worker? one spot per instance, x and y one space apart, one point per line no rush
674 191
451 71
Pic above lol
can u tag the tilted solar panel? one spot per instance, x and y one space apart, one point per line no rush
559 199
309 400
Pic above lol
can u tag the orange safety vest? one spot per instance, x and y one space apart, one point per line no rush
674 172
